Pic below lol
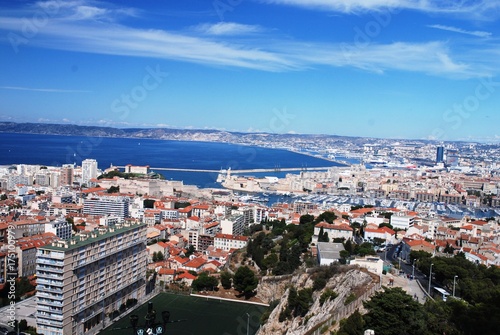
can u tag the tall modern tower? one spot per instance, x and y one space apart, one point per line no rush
440 155
89 170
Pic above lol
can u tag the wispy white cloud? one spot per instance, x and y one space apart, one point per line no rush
228 28
468 9
49 90
213 48
477 33
84 10
431 58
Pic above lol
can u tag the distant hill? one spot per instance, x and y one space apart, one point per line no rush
157 133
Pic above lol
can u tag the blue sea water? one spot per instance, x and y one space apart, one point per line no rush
55 150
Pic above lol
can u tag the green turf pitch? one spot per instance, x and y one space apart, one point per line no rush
202 316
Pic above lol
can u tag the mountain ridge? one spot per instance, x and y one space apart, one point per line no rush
213 135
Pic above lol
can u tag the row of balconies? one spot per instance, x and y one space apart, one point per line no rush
49 268
48 275
42 288
48 308
52 255
54 296
40 301
47 320
42 281
93 257
49 261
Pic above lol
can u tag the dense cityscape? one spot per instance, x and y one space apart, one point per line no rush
262 167
70 233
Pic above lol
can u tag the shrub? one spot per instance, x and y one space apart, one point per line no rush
350 298
328 294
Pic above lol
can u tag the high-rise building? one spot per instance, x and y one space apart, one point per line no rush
103 206
89 170
440 155
67 174
82 280
233 225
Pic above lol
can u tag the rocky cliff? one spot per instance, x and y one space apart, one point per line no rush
347 282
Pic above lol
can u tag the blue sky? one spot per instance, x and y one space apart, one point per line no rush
417 69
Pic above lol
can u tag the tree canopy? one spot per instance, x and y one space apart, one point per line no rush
394 312
245 281
205 282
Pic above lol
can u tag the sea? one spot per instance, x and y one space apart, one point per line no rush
55 150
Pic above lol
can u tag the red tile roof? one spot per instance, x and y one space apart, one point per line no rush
327 225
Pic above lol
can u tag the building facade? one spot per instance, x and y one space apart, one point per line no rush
227 242
82 280
89 170
103 206
234 225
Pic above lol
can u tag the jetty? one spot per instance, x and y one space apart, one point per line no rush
275 169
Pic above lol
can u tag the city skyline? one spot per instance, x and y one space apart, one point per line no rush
386 68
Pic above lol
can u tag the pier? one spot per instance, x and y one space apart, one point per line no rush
276 169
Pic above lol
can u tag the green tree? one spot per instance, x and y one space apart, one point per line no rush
323 236
225 279
271 260
23 286
364 249
245 281
23 325
149 203
306 218
353 325
349 247
114 189
319 283
181 204
190 250
394 312
205 282
299 302
448 249
326 216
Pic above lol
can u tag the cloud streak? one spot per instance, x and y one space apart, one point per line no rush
465 9
48 90
228 28
477 33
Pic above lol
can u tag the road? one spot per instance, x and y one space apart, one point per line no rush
403 280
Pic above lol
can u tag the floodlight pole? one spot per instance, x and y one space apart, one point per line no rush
430 279
248 323
454 280
413 269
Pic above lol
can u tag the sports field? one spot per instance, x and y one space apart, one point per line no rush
202 316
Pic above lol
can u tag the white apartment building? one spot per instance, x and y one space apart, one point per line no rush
234 225
89 170
402 221
82 280
227 242
107 205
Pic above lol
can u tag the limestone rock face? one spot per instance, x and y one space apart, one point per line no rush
352 281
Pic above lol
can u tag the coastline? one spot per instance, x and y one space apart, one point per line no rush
246 144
